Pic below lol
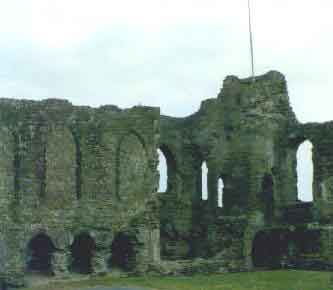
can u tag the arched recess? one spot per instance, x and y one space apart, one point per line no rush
40 251
305 171
270 248
220 188
61 166
132 166
82 252
204 181
167 169
122 252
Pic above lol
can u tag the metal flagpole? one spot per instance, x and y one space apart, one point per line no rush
251 41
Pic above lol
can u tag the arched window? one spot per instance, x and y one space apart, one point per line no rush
40 252
163 171
204 181
82 250
220 187
305 171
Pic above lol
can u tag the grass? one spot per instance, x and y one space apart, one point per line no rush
265 280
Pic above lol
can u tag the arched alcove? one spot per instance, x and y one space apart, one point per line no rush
305 172
59 187
132 166
220 187
204 181
122 252
163 171
82 251
39 255
270 248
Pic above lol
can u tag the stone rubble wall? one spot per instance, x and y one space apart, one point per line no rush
66 170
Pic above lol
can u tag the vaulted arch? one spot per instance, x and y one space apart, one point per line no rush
40 251
123 252
82 252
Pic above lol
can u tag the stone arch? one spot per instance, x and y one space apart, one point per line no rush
39 254
123 254
305 171
171 168
60 167
132 165
82 251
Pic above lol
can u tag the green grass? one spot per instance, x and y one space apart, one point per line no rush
267 280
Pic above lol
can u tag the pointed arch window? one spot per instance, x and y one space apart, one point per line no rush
305 172
220 187
163 171
204 181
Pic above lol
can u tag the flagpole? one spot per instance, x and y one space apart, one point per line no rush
251 41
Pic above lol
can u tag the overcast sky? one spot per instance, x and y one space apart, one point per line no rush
170 53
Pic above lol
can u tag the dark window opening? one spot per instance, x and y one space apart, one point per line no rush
122 253
40 252
82 250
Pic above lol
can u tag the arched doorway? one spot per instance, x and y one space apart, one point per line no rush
122 252
305 172
82 250
270 249
39 255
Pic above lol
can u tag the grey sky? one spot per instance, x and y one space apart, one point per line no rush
171 54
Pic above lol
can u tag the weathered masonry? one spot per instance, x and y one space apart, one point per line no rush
78 187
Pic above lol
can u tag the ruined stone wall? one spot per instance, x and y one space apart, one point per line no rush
248 136
69 170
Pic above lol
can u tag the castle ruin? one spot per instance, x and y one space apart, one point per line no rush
79 187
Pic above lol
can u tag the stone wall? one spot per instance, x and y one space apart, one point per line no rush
248 136
71 174
69 170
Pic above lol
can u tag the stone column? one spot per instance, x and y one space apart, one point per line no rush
99 261
60 263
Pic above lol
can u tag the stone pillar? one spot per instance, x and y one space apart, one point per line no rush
99 261
60 263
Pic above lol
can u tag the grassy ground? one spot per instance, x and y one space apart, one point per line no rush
268 280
